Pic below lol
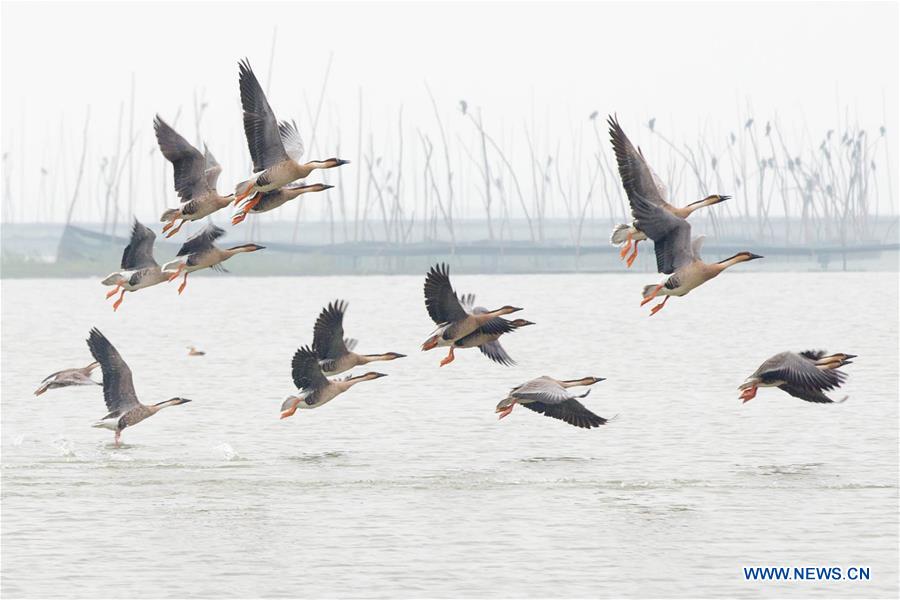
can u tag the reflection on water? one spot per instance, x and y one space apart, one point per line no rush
409 485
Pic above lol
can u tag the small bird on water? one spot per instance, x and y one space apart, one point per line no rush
192 351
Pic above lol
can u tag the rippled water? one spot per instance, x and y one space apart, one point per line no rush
409 486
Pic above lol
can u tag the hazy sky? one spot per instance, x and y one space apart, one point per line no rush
693 66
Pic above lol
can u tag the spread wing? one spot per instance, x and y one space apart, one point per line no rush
671 235
808 394
800 373
290 137
328 333
202 240
118 388
213 168
571 411
440 299
138 253
188 163
260 125
306 371
638 178
542 389
497 353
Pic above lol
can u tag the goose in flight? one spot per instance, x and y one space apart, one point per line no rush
118 389
276 148
139 269
335 352
315 389
274 199
638 179
68 377
805 375
201 252
682 259
445 309
552 398
195 175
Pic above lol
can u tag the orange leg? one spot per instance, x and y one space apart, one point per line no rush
633 256
748 394
118 438
119 301
168 225
659 306
245 210
652 294
239 197
177 272
626 247
177 229
113 292
183 284
449 358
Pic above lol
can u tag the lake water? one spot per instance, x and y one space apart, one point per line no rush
409 486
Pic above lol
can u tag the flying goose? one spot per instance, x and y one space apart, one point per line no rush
444 308
638 179
315 389
139 269
805 375
68 377
195 176
682 260
118 389
335 355
552 398
201 252
272 200
276 148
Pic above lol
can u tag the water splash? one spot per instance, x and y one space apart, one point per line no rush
228 452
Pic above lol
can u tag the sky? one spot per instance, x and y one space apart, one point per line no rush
698 68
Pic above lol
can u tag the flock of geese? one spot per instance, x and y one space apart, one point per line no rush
276 149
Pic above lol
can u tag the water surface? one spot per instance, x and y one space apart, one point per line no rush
409 486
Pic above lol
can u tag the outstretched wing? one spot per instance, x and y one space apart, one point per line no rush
290 137
671 235
202 240
497 353
440 299
213 168
571 411
638 178
138 253
800 373
118 388
306 371
328 333
188 163
804 393
260 125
